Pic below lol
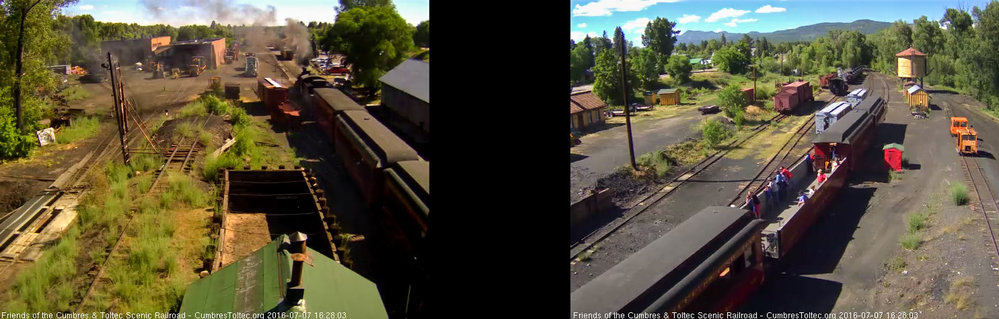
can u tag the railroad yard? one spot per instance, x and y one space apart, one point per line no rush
850 258
185 177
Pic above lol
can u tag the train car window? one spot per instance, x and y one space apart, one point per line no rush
969 137
748 257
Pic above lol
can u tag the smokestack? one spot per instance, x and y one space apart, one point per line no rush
296 288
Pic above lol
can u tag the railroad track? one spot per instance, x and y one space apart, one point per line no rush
173 164
591 239
774 163
983 195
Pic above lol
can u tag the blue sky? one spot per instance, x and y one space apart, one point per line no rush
595 16
129 11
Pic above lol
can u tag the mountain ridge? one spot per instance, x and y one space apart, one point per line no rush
802 33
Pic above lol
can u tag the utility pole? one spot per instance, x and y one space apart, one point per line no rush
18 67
119 110
624 94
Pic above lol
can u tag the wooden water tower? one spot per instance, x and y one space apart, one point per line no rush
911 64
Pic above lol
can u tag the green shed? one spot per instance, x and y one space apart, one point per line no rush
259 283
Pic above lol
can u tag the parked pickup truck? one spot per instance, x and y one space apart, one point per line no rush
709 109
640 107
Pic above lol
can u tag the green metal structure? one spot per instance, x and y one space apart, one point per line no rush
258 284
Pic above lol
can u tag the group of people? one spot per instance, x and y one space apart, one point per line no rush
779 185
776 189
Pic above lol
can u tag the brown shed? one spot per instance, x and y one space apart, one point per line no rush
917 97
585 109
650 97
669 97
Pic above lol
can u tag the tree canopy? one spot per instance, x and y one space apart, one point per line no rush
374 40
660 36
422 35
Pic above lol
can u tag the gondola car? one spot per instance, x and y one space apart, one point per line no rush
711 262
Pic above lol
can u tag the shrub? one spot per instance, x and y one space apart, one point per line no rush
214 105
714 132
657 161
917 222
12 144
959 193
145 163
911 241
732 101
196 108
238 116
212 165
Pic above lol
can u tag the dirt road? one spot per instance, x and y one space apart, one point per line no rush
602 152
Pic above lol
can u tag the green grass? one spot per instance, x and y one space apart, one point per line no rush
83 127
45 286
145 163
959 193
196 108
180 190
917 222
911 241
187 129
74 93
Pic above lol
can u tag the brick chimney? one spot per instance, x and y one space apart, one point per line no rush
296 288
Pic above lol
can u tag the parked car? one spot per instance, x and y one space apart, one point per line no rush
640 107
709 109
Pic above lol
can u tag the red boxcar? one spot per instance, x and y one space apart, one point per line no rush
792 95
824 80
271 93
785 101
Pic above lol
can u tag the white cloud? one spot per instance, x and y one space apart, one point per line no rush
688 18
579 36
605 7
769 9
581 25
113 12
718 30
85 7
725 13
636 26
737 21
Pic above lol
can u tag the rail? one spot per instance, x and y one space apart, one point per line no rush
591 239
163 170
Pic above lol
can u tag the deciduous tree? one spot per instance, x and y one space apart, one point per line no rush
374 40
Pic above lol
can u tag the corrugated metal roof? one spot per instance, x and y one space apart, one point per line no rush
412 77
574 108
914 89
257 284
586 100
667 91
695 61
